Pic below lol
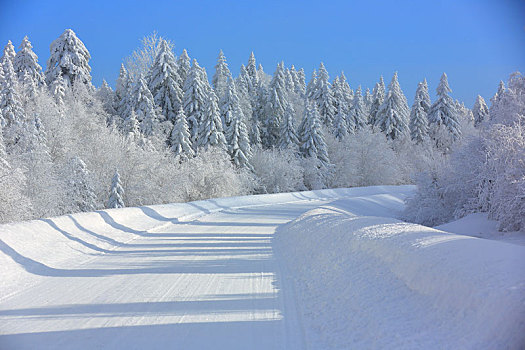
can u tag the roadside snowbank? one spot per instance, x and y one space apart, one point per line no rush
35 249
374 282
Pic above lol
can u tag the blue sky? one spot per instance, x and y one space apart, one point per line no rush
477 42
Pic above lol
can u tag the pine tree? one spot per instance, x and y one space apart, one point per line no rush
393 115
80 190
311 135
106 95
229 105
26 62
58 90
195 99
347 91
276 104
418 115
496 100
163 85
255 134
251 69
378 96
340 129
443 117
12 113
183 64
289 83
123 93
221 77
9 54
238 140
288 137
323 96
300 84
310 88
480 111
70 58
131 127
210 128
116 193
357 111
367 101
143 104
180 138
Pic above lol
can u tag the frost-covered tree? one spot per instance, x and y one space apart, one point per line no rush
444 125
367 101
393 114
348 93
116 192
288 137
9 53
106 96
300 85
12 113
123 93
69 58
357 112
221 77
246 93
378 96
418 115
251 69
229 104
195 99
58 90
180 137
323 96
143 104
184 67
276 104
255 134
211 133
277 170
311 136
26 62
163 83
238 141
131 127
340 129
80 192
480 111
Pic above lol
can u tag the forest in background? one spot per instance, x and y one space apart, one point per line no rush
166 134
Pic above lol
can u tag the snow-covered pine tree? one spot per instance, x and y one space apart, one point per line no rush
310 88
255 134
183 64
116 192
348 93
58 90
464 113
123 92
251 69
289 83
378 96
211 133
80 191
480 111
163 83
393 114
238 140
357 112
288 137
195 99
340 129
12 113
221 77
9 54
229 104
106 95
276 104
180 143
70 58
298 87
367 101
246 92
444 126
418 116
26 61
323 96
312 143
496 100
143 104
131 127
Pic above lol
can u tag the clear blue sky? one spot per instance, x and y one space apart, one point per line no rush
476 42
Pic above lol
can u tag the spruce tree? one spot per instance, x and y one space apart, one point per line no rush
183 64
310 88
123 92
229 104
393 115
58 90
238 140
131 127
69 57
323 96
357 111
143 104
251 69
195 99
221 77
443 117
211 133
340 129
116 192
163 85
418 115
12 113
9 53
180 143
288 137
300 85
480 111
378 96
26 62
276 104
311 135
347 91
79 188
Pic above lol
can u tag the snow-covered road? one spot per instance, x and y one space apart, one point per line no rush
211 275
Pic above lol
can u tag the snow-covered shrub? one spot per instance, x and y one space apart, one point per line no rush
277 170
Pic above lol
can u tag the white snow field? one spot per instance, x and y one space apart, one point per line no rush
327 269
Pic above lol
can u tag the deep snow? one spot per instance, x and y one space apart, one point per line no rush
339 273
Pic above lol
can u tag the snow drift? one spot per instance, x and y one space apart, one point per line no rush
377 282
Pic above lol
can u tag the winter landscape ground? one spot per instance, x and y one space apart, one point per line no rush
326 269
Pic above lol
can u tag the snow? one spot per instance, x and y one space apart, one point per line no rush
339 272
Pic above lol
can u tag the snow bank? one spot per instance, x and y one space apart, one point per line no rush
34 249
376 282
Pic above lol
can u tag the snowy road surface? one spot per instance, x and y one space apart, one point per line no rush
204 275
